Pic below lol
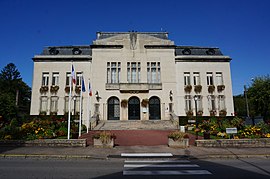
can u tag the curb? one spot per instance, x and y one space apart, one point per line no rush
45 156
89 157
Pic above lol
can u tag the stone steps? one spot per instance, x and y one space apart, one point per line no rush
136 125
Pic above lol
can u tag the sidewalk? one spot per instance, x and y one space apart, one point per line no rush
105 153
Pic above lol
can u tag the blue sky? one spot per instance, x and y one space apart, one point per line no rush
240 28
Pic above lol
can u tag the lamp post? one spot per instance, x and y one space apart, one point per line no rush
196 120
245 88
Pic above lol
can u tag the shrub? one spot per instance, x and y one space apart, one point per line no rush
178 136
104 136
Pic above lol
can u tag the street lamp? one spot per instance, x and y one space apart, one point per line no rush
196 99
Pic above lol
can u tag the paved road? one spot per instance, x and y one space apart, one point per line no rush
135 168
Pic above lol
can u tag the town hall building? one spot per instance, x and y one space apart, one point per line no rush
133 76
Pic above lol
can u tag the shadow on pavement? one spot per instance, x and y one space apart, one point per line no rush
217 170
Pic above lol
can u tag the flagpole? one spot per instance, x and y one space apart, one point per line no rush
88 103
69 105
80 122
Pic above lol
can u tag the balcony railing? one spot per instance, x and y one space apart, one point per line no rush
130 87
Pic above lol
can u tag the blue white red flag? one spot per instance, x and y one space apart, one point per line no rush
90 89
73 75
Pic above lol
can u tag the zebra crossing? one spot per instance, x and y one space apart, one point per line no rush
146 165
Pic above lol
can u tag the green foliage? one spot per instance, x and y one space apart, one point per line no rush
104 136
178 136
259 96
12 86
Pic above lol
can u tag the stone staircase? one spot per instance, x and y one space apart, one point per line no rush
136 125
131 133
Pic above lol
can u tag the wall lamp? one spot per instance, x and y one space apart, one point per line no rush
171 95
97 96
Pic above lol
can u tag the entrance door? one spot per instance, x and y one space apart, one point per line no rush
134 108
113 109
154 108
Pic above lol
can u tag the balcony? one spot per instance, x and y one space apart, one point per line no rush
133 87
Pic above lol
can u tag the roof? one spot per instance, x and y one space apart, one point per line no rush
104 35
67 50
192 50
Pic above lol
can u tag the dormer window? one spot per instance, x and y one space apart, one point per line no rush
53 51
76 51
210 52
186 51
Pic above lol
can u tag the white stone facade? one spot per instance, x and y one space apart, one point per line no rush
129 67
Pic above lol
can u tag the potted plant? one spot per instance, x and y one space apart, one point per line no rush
144 103
220 88
54 89
205 127
104 139
213 112
78 89
188 88
43 89
124 103
222 112
178 139
189 113
67 89
211 88
200 113
198 88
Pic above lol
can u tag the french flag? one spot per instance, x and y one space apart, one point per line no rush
73 75
90 89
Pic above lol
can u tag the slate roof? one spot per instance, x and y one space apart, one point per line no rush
104 35
192 50
67 50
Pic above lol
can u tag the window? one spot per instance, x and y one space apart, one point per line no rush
45 79
68 78
134 72
196 78
199 103
66 104
54 104
113 72
77 104
153 72
188 102
55 79
221 102
43 104
78 78
209 78
187 78
219 78
211 102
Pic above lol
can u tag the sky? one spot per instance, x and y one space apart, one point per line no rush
240 28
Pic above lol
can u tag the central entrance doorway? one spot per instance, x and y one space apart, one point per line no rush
134 108
154 108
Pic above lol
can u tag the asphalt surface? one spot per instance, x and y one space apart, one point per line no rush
91 152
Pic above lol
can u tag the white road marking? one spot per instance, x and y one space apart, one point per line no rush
167 172
157 161
146 155
160 166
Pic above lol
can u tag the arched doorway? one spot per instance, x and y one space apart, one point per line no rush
113 108
154 108
134 108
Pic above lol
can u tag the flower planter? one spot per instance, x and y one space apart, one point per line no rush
220 88
98 143
184 143
188 88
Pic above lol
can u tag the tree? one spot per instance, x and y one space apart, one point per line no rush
259 96
14 93
240 105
